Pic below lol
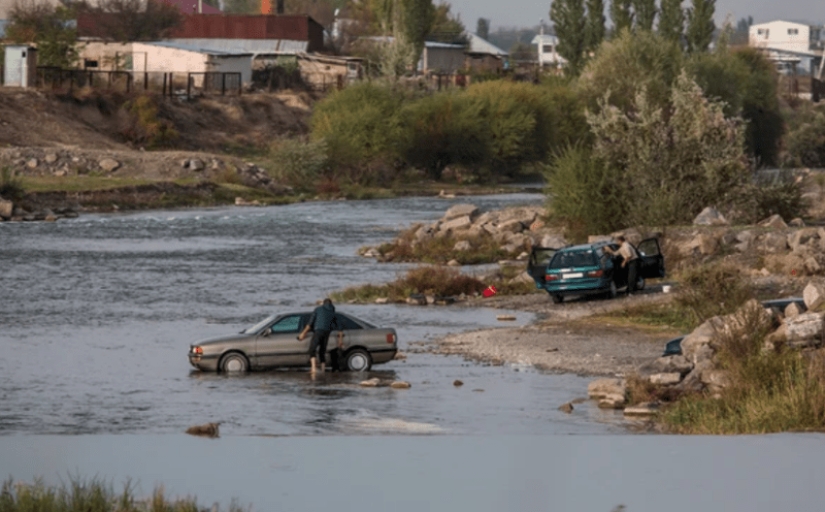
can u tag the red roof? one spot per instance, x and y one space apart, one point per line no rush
191 6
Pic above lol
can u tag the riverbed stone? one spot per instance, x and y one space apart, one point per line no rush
50 158
805 330
196 164
400 384
612 401
642 409
774 221
774 243
460 210
710 216
568 407
696 345
665 379
666 364
108 164
462 245
792 310
6 208
32 163
601 388
458 223
814 296
799 239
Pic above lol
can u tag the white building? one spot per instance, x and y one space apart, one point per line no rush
794 46
548 54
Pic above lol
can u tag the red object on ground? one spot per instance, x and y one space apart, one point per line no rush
490 291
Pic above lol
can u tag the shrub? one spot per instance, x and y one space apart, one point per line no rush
358 123
710 290
144 126
768 196
440 250
11 187
805 142
431 280
298 163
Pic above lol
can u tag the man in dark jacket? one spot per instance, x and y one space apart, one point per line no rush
321 322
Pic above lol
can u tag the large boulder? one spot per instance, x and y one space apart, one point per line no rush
696 346
456 223
774 243
556 241
814 296
666 364
705 243
805 330
108 164
774 221
665 379
460 210
800 239
602 388
710 216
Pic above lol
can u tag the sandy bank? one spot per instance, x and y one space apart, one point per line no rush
567 338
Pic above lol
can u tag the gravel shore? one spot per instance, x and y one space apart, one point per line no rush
566 338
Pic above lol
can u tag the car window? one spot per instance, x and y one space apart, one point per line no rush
649 247
290 323
542 255
347 323
573 259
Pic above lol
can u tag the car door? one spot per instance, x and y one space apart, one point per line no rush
278 344
651 260
539 259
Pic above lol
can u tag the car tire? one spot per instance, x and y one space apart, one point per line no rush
613 292
557 299
357 360
640 284
234 362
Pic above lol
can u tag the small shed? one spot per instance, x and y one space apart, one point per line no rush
20 68
179 58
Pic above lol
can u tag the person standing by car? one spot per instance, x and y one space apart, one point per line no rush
321 322
629 260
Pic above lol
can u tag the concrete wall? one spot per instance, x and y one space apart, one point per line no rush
232 64
109 56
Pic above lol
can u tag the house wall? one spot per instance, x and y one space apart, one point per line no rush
232 64
443 60
109 56
783 35
484 63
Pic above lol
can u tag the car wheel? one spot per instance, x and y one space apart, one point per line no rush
613 290
640 284
557 299
358 360
234 362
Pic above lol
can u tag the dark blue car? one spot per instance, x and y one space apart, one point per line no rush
590 270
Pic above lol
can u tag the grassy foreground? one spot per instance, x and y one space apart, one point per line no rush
91 496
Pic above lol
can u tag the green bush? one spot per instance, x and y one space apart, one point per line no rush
11 187
144 126
780 195
805 141
297 162
710 290
359 123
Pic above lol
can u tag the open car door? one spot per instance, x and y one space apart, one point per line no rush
539 259
651 261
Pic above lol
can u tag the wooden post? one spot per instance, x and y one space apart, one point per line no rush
145 80
223 84
164 85
188 86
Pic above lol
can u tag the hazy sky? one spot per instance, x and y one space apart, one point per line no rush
527 13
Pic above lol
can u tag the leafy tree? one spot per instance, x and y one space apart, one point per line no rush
483 28
760 107
742 34
49 28
594 28
645 13
447 28
700 25
628 64
522 52
622 15
805 142
568 17
671 20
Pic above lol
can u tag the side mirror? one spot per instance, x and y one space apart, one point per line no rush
266 333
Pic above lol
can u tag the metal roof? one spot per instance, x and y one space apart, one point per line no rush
480 45
199 49
251 46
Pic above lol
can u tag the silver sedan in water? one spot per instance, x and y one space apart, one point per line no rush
274 343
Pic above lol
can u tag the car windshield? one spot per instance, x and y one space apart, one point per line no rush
573 259
260 325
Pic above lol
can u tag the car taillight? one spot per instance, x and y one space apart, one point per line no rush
390 338
595 273
198 351
551 277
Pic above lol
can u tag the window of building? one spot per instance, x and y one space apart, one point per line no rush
547 48
793 31
764 32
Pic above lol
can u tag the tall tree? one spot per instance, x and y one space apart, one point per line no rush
700 25
418 19
483 28
621 15
49 27
446 27
594 28
569 21
672 20
645 13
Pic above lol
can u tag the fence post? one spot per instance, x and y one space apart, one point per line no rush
171 85
145 80
164 85
223 84
188 86
240 84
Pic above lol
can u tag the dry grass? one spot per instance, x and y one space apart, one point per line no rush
438 281
440 250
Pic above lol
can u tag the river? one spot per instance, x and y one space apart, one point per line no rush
97 314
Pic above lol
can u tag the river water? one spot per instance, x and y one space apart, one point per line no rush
97 314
